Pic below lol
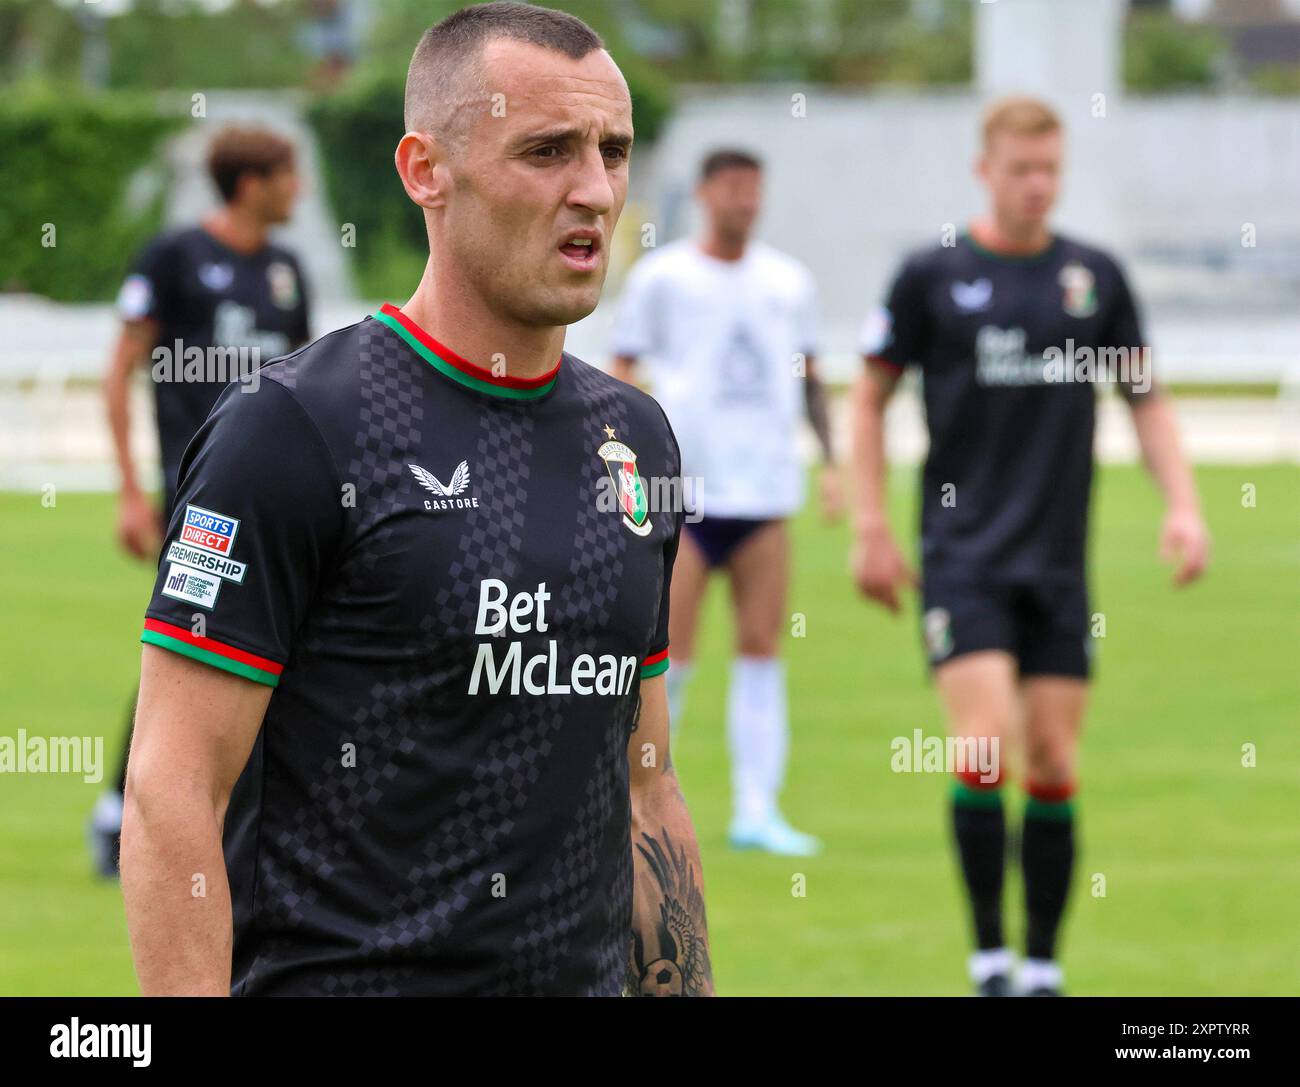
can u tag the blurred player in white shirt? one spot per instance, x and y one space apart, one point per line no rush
726 327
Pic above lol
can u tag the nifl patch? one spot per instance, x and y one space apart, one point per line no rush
192 586
211 531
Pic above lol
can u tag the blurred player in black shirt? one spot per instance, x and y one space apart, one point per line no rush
202 307
1010 328
404 661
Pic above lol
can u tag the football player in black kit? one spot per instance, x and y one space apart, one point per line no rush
1009 328
202 307
404 658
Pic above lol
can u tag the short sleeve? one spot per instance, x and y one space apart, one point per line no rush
1123 332
807 326
634 320
656 661
895 332
150 289
257 522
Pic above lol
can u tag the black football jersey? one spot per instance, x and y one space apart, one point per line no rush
1009 350
221 314
456 583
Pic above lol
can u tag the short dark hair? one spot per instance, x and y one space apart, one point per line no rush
728 158
448 50
237 150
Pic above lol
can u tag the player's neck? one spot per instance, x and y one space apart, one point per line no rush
236 229
1011 239
723 247
465 325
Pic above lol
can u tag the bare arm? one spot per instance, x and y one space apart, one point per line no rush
1183 536
670 942
139 528
819 418
878 565
194 729
814 396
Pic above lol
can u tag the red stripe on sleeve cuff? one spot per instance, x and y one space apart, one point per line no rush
885 362
655 664
210 651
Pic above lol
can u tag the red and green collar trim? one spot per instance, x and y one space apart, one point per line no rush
462 371
1012 258
209 651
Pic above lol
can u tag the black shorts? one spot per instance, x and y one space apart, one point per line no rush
718 537
1044 625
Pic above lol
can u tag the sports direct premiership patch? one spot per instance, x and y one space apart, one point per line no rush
211 531
205 560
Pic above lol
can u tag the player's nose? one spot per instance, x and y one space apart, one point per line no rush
592 186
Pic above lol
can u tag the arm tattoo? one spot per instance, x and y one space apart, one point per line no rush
819 414
681 967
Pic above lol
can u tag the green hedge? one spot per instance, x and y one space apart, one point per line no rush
68 162
1162 53
358 130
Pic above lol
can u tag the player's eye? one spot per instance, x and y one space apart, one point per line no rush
547 152
616 152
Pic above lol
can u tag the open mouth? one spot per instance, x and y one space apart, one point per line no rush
581 251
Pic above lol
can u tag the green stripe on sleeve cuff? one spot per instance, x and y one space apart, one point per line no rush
206 656
656 669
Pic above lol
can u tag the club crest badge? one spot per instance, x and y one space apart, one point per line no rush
937 624
1079 290
628 486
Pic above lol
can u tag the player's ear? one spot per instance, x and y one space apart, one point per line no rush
421 163
248 189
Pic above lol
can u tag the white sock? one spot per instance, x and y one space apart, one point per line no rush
1039 974
758 735
675 680
108 811
986 964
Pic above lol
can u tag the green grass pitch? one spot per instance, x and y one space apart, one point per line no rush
1197 851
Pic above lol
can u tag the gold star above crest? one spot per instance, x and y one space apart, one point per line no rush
609 431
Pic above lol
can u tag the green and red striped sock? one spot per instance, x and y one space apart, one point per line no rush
1047 852
979 827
